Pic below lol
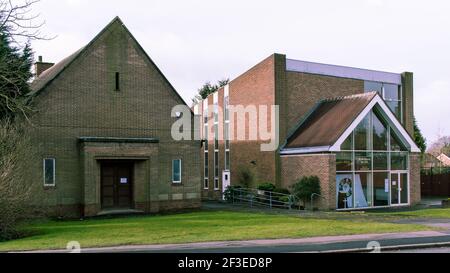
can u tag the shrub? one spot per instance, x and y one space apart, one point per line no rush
305 187
284 199
245 177
266 187
228 193
281 190
15 187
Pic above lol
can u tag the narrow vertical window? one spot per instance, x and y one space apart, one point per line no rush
206 174
176 171
117 81
216 170
49 172
216 145
226 129
206 147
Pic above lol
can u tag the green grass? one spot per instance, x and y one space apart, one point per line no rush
423 213
190 227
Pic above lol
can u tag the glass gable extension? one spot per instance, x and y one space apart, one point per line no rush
391 93
372 167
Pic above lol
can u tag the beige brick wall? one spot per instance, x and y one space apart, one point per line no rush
82 101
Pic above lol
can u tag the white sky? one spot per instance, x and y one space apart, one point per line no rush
195 41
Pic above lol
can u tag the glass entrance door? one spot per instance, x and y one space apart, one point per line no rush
399 188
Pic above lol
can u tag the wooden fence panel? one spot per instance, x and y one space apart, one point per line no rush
435 184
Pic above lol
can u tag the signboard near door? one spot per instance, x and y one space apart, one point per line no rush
226 181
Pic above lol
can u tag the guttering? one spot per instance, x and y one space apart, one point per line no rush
118 140
304 150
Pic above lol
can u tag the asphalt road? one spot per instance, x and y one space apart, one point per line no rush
328 247
424 250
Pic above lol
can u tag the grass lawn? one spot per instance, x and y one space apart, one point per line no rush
423 213
190 227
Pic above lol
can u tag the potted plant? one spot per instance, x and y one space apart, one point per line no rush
446 203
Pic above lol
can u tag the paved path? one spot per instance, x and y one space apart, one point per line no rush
316 244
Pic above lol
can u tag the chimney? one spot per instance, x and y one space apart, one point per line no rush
41 66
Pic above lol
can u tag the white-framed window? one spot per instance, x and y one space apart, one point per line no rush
226 129
206 147
206 171
216 142
369 159
391 93
176 171
49 170
216 170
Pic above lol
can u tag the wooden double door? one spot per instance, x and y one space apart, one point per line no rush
117 184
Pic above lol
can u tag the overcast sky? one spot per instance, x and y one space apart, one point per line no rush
197 41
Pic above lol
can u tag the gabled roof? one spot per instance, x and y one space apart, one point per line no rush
328 121
48 75
52 73
331 121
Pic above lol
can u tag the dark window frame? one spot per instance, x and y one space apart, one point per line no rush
53 175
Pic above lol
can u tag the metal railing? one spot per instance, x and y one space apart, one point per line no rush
256 197
312 199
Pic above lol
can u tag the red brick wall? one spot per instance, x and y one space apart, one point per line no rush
414 177
254 87
305 90
293 168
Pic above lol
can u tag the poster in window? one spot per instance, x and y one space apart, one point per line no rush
344 184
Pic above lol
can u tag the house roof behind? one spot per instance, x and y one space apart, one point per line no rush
328 121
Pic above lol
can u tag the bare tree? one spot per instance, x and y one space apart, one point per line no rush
17 27
440 146
18 20
16 182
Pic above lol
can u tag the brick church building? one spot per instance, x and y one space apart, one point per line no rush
351 127
102 130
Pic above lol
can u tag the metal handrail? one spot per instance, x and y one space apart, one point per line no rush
312 197
263 198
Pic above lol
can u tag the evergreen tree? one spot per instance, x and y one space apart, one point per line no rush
418 138
15 75
208 88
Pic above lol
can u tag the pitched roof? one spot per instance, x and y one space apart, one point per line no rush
52 73
48 75
331 121
328 121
